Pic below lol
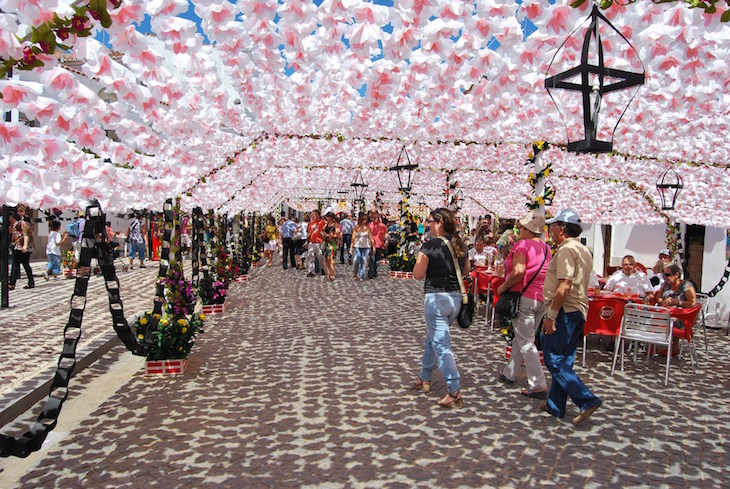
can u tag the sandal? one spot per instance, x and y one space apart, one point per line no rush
535 394
455 401
422 385
503 379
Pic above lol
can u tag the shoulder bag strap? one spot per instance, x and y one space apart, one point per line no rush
464 298
538 270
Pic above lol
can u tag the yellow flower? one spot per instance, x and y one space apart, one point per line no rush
140 336
179 349
540 200
143 321
184 330
182 322
504 331
163 322
202 317
158 316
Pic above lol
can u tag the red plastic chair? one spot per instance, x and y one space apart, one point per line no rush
494 284
687 317
604 317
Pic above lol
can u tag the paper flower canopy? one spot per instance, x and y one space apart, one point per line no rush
260 102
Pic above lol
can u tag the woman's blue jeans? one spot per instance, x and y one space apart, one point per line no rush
360 262
559 354
441 309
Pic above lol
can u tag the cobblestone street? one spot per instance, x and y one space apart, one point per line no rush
304 382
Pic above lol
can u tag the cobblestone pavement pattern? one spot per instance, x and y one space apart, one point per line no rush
306 383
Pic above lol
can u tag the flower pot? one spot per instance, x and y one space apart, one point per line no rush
242 278
399 274
214 308
508 354
166 366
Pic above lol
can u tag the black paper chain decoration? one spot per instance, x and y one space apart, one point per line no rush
94 242
195 248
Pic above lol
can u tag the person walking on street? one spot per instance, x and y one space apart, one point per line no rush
288 229
346 227
331 236
314 240
361 246
380 233
137 239
271 240
53 251
23 246
442 303
566 299
525 266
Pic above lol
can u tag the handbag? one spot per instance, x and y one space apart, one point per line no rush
466 313
508 305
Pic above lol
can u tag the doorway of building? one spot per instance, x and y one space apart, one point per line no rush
694 239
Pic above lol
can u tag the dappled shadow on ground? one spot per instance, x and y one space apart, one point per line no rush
305 383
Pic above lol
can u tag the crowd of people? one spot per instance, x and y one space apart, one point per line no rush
554 283
554 286
316 243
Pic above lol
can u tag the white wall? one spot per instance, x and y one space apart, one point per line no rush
642 241
714 262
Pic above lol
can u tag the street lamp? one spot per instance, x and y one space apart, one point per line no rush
358 186
669 185
404 169
595 81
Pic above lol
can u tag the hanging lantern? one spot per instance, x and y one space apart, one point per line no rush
404 169
358 186
595 80
669 185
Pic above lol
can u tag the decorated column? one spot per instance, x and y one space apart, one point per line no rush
542 193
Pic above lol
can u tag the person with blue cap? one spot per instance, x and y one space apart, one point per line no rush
566 297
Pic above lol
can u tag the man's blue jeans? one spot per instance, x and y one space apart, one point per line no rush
559 354
441 309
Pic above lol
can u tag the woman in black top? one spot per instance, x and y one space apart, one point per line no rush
442 302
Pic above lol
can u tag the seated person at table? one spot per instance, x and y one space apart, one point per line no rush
628 280
657 280
478 256
675 292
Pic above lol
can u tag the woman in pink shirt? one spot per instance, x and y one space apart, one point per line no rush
526 264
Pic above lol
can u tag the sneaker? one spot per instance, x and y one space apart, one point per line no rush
45 275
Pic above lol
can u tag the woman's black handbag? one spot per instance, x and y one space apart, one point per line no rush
508 304
466 313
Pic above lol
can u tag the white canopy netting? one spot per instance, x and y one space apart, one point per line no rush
260 101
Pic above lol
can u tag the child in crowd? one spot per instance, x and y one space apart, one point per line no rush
53 251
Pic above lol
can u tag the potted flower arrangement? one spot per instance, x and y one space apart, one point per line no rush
170 342
401 264
225 269
212 293
67 262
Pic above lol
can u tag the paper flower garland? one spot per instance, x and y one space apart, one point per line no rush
537 180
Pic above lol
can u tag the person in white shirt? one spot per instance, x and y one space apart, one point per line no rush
478 255
628 280
53 251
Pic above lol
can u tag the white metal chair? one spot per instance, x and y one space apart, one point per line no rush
703 299
645 324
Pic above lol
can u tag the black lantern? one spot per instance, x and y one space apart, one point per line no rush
595 81
358 186
669 185
404 168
